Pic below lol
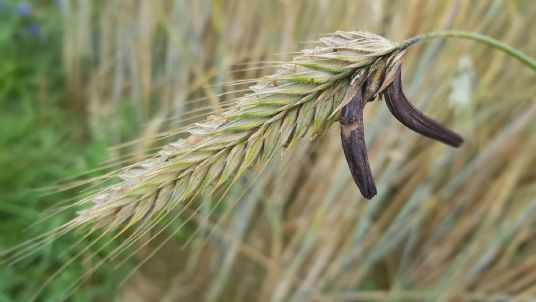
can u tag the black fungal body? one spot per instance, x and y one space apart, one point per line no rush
353 135
353 144
408 115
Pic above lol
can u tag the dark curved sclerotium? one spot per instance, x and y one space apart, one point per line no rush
408 115
353 144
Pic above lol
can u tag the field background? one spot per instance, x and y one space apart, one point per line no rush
80 77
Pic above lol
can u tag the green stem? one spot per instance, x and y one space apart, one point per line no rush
509 50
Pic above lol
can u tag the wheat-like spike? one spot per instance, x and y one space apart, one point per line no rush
298 102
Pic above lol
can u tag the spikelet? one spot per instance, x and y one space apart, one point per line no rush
298 102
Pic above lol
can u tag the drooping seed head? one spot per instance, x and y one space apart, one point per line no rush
298 102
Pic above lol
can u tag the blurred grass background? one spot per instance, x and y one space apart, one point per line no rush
79 77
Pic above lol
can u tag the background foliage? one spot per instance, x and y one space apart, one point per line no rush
78 77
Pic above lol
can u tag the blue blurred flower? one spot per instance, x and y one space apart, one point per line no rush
24 9
34 30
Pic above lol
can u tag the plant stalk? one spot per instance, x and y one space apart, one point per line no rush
507 49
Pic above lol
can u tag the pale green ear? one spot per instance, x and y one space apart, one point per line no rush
301 100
